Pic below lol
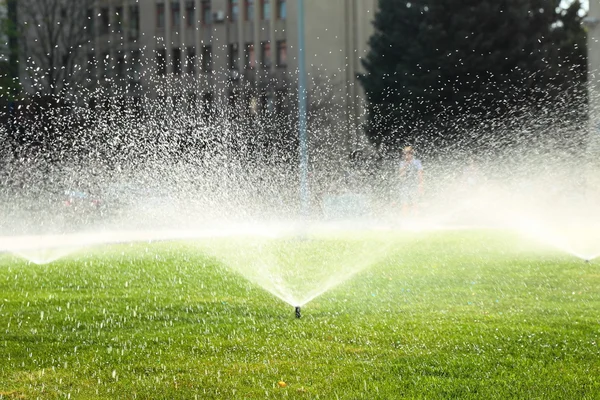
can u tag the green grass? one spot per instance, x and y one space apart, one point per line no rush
445 315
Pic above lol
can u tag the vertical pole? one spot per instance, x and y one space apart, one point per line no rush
302 112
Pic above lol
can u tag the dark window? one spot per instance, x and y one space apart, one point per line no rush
118 19
191 60
207 105
177 61
190 13
233 56
281 53
232 98
90 25
161 62
175 14
234 10
266 9
280 101
281 9
206 58
160 15
250 56
105 65
206 12
91 66
134 22
120 67
192 99
104 21
135 71
250 10
265 54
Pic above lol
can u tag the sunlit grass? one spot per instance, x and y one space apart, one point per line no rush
444 315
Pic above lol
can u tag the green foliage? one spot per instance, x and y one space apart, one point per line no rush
9 73
447 315
432 61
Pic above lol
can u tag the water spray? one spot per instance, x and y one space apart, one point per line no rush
298 313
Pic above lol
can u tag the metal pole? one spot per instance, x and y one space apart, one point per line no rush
302 112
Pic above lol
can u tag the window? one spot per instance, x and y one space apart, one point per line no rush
190 13
266 10
119 19
281 53
281 9
104 21
265 54
233 100
206 12
175 14
207 105
105 65
91 66
161 62
177 61
250 10
191 60
134 22
234 9
120 67
192 101
136 66
250 56
160 15
233 56
280 101
90 25
206 58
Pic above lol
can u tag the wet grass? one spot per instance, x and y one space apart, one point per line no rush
446 315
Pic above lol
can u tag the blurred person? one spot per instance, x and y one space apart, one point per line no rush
471 175
411 181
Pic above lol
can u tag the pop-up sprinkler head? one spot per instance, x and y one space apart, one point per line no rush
298 314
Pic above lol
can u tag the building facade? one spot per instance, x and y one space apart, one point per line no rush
221 42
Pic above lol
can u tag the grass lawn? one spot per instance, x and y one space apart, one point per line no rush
471 314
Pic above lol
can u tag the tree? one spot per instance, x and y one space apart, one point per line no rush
53 33
568 45
9 71
432 62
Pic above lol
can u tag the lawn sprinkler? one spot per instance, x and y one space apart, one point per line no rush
298 314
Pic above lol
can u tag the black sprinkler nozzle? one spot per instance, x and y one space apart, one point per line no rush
298 314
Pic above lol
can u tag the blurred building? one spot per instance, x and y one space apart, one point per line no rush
208 51
221 42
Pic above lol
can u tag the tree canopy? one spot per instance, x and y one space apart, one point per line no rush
434 61
8 51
